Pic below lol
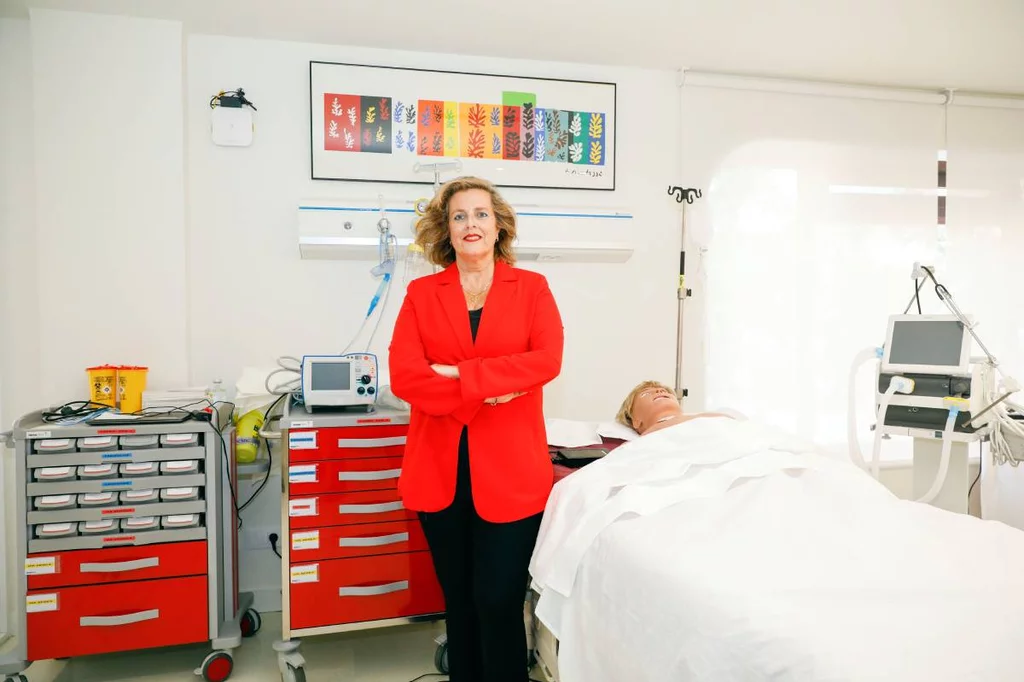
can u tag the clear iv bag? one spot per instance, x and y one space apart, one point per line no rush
416 264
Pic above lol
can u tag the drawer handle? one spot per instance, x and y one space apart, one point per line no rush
121 566
375 590
370 508
375 541
353 443
382 475
111 621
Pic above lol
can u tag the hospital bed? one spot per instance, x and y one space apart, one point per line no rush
797 567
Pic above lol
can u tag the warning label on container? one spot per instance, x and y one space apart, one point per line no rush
309 573
38 603
40 565
306 540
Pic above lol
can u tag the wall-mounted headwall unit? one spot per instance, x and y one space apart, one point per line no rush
348 230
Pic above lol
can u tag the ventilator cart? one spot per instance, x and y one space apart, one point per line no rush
126 540
353 558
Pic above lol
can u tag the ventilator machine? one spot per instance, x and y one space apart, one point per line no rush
929 387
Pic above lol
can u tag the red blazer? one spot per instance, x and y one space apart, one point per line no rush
518 348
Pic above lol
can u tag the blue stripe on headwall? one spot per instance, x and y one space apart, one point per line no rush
616 216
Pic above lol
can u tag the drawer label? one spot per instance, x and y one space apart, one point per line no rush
309 573
302 425
38 603
302 473
305 506
37 434
306 540
303 440
41 565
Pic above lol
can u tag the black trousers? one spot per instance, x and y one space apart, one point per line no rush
483 569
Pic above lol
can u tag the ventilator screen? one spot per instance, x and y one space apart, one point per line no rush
926 342
331 376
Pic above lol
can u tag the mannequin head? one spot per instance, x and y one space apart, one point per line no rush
650 403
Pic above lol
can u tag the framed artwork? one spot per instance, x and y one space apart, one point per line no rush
376 123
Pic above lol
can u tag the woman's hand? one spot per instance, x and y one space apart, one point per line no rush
448 371
505 398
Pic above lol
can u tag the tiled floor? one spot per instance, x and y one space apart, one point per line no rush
399 654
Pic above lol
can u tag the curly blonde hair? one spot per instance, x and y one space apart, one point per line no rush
432 229
625 414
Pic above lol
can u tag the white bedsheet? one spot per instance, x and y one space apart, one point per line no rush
729 553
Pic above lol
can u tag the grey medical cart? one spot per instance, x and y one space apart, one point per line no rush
126 539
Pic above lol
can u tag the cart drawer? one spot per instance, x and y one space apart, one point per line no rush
317 511
343 591
79 621
342 542
341 476
115 564
346 442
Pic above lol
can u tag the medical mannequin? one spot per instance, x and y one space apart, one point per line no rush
653 406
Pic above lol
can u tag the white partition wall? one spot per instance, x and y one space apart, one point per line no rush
983 252
815 208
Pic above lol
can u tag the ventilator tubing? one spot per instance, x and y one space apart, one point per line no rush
947 449
883 407
861 358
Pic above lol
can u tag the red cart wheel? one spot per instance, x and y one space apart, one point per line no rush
217 666
251 623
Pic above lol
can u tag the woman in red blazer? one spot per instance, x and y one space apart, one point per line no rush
472 348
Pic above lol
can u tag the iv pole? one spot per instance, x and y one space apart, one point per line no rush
682 293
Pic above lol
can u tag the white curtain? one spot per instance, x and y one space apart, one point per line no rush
984 254
815 210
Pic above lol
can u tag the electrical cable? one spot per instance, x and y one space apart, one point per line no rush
981 465
80 409
916 298
270 457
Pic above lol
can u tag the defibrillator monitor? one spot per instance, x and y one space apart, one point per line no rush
339 380
927 344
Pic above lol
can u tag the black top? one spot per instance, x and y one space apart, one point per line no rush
474 321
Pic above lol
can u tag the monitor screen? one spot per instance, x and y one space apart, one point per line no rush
936 343
331 376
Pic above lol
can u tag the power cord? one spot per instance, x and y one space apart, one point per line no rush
231 98
981 463
80 409
227 460
270 456
273 537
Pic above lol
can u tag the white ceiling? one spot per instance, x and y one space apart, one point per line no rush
967 44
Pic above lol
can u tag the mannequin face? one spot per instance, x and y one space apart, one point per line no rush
653 404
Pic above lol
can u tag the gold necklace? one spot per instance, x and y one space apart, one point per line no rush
475 297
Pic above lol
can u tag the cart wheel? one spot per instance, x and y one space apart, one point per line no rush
294 675
217 666
441 658
251 623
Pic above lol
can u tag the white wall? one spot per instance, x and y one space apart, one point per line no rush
109 166
153 246
243 225
242 205
18 310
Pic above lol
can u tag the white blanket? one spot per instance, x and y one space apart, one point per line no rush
724 551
